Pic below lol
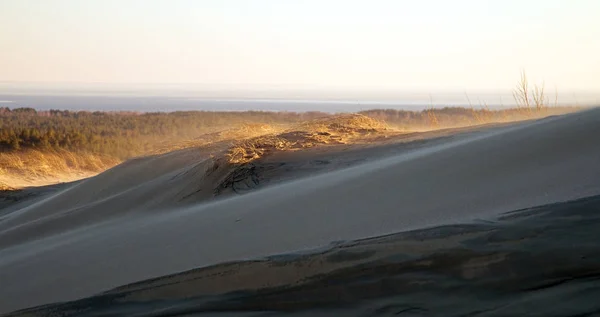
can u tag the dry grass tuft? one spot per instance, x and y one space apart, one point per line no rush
32 164
4 187
244 131
335 130
347 123
251 149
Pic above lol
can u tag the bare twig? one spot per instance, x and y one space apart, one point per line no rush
521 94
473 111
539 97
433 120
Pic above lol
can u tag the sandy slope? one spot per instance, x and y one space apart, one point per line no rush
541 261
20 182
124 225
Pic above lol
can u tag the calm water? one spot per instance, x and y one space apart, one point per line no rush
149 102
164 103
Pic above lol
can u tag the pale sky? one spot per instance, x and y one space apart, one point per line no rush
425 45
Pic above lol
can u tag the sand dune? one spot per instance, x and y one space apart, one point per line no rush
133 222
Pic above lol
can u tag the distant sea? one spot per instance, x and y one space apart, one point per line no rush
156 103
166 101
167 104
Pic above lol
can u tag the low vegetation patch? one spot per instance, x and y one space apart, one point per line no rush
333 130
4 187
454 117
37 144
33 164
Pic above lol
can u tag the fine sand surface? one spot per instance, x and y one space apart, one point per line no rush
150 217
541 261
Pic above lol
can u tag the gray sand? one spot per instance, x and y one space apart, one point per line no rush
541 261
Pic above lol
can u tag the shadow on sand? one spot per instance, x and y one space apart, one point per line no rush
542 261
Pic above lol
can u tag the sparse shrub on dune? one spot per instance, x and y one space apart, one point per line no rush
531 103
251 149
346 123
245 131
4 187
334 130
529 99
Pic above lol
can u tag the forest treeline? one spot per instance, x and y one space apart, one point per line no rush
121 134
126 134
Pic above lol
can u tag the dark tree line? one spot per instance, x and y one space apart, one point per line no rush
120 134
